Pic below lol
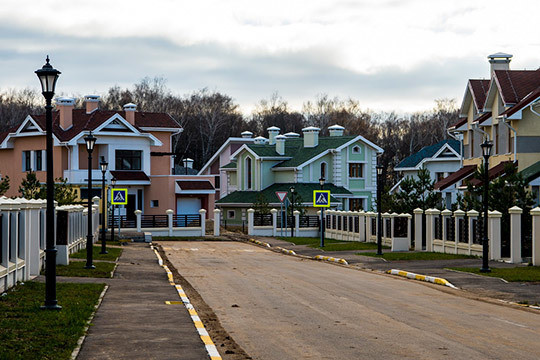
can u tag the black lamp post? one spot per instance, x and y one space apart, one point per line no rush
486 152
379 208
113 184
292 211
321 182
48 76
103 164
90 142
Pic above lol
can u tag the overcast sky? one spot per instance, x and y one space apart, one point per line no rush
389 55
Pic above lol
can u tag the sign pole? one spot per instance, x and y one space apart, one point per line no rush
322 227
281 217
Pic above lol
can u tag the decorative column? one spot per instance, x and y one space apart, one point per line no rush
494 233
418 229
515 234
296 214
170 224
217 221
138 215
362 226
535 213
430 228
446 214
471 216
202 212
458 214
251 213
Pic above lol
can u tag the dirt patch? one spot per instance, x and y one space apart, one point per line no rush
227 347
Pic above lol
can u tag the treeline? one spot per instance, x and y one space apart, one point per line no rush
210 117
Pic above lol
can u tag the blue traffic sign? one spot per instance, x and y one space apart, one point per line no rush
321 198
119 196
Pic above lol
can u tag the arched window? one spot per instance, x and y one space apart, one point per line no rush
356 150
248 173
323 170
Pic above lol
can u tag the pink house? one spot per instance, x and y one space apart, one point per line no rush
137 145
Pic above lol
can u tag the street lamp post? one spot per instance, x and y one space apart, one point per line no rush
103 164
90 142
48 76
292 211
379 208
321 182
486 152
113 184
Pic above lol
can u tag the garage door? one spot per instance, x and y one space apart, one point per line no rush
189 206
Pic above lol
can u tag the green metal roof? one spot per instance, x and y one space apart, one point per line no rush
231 165
532 172
428 151
295 150
305 190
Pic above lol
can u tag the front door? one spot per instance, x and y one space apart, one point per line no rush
131 206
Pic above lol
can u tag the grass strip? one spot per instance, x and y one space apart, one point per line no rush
176 238
398 256
350 245
113 254
515 274
27 332
306 240
76 268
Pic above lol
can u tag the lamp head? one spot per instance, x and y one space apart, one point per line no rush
321 181
103 164
113 181
90 142
379 170
47 76
486 148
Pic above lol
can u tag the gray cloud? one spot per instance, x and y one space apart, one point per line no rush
92 65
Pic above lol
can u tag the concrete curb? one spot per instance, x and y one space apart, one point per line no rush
431 279
285 251
77 349
331 259
259 242
203 334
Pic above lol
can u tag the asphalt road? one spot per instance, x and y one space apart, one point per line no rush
280 307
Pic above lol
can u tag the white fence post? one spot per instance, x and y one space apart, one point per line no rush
217 221
535 213
251 215
494 234
515 234
471 216
170 224
362 226
202 212
138 215
430 228
418 229
458 214
296 214
446 214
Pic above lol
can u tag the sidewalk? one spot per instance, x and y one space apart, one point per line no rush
476 284
133 321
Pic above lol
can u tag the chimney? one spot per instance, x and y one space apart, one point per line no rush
259 140
65 108
130 112
92 103
292 135
273 131
311 136
336 130
280 144
499 61
247 134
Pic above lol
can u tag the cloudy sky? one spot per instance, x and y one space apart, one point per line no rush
389 55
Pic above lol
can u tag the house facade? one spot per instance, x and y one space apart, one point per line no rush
506 110
440 160
347 163
137 146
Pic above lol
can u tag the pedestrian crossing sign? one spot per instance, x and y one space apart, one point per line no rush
119 196
321 198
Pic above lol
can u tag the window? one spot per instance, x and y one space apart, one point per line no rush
323 170
356 170
27 161
356 150
128 159
217 181
154 203
248 173
356 204
39 160
439 176
231 214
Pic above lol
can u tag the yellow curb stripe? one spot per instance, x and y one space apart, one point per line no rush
211 349
434 280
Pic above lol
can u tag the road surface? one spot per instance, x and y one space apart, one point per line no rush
281 307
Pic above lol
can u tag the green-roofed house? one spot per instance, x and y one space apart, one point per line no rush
440 159
347 163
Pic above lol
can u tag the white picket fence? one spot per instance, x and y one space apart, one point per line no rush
22 237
